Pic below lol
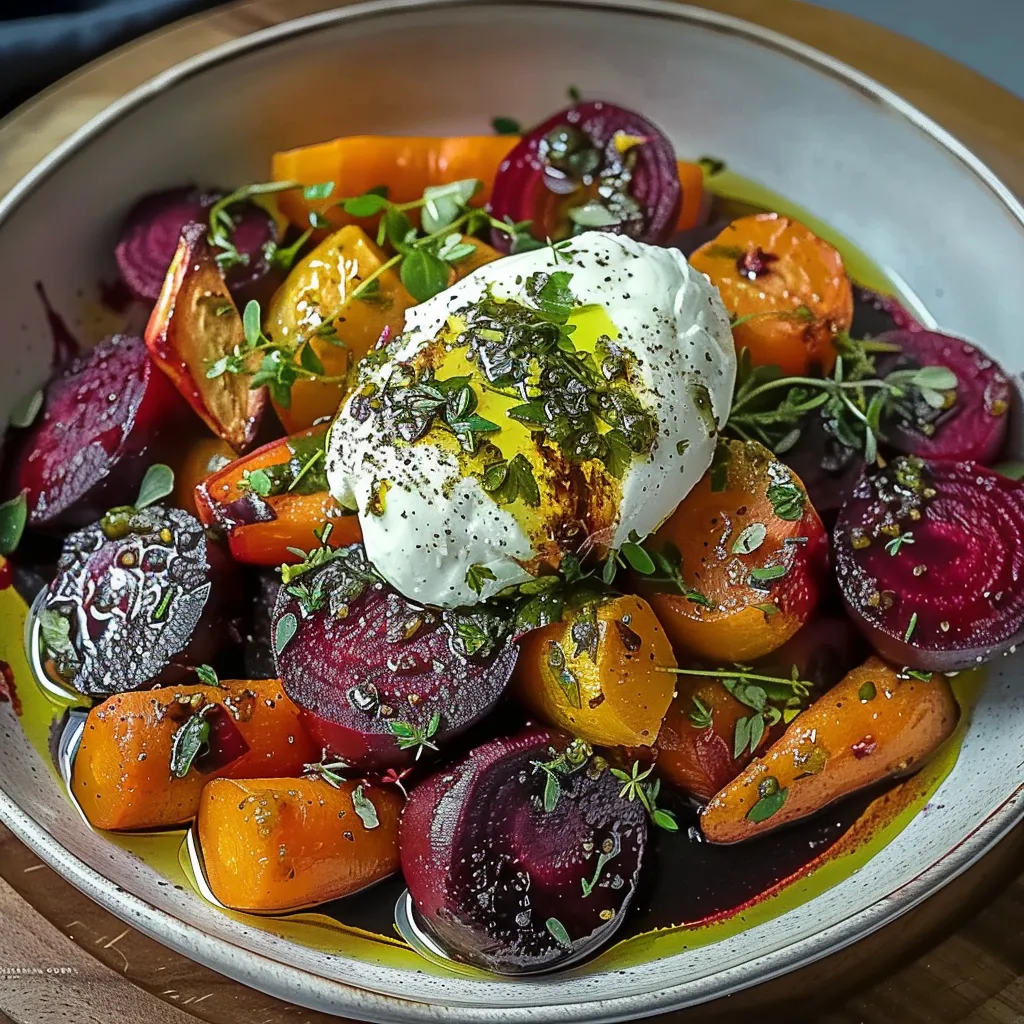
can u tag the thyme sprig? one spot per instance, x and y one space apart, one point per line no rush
773 409
636 787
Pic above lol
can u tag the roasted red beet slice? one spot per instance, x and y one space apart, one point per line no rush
152 228
515 873
594 166
972 428
381 679
929 557
106 417
138 597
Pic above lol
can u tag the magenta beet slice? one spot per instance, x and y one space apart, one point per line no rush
509 879
153 226
381 680
593 166
973 427
107 416
929 558
137 599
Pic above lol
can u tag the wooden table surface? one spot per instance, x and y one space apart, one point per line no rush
959 957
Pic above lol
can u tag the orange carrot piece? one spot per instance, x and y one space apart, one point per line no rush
871 726
122 775
282 844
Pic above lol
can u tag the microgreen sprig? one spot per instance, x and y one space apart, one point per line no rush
411 736
635 787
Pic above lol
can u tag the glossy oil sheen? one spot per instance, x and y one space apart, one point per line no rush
936 221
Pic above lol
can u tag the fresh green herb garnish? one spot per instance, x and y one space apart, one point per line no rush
156 484
410 735
636 788
867 691
55 630
364 807
750 539
893 546
328 770
610 849
557 931
256 480
771 800
287 627
511 480
506 126
477 575
13 517
701 716
207 676
911 626
572 759
788 501
767 573
189 740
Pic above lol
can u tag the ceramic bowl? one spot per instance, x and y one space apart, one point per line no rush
850 152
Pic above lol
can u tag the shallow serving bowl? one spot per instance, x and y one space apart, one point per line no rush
897 186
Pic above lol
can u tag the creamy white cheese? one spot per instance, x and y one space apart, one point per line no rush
427 522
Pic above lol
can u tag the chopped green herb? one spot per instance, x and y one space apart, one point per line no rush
701 717
411 736
506 126
364 807
207 676
189 740
286 628
477 575
788 501
867 691
256 480
750 539
767 573
770 803
156 484
558 932
13 517
893 546
911 626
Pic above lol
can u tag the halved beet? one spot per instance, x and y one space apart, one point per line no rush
149 238
594 166
380 679
514 879
972 427
138 598
929 557
106 417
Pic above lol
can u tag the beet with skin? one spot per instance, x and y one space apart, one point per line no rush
381 680
594 166
929 558
153 226
106 417
972 426
512 872
138 598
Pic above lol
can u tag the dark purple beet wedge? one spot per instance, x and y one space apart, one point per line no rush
382 680
594 166
138 598
929 557
153 226
523 856
106 417
970 424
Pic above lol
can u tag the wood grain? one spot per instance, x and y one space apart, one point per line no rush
957 959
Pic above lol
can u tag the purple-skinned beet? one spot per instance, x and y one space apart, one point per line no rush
971 426
381 680
138 598
523 856
149 239
595 166
929 558
106 417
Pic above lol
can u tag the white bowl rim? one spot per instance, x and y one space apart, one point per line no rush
315 991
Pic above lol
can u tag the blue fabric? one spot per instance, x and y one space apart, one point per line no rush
41 40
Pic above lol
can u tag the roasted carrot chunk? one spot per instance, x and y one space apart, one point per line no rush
133 770
787 286
873 725
281 844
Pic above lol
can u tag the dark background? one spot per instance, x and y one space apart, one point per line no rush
41 40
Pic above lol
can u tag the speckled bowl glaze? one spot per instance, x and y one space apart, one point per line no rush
926 210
